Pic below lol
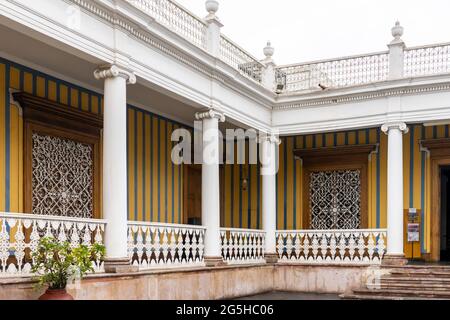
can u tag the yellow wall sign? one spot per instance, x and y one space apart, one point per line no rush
413 225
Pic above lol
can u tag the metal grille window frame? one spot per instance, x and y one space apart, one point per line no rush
48 117
335 199
343 157
62 177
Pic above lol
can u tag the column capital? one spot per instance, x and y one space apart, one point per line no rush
394 125
112 71
210 114
272 138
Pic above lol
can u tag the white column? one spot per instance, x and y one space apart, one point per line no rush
395 252
396 53
115 165
268 159
211 185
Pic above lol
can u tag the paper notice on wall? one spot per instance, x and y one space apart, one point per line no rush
413 232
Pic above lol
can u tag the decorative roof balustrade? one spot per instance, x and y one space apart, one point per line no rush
176 18
308 76
240 59
363 69
192 28
427 60
341 72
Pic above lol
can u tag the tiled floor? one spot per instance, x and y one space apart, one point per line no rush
291 296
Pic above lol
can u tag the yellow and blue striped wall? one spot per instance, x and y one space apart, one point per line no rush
417 179
242 205
19 77
167 186
156 185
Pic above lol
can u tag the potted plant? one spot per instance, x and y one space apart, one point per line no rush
56 262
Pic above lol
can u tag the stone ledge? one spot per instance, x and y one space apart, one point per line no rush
156 271
174 270
202 283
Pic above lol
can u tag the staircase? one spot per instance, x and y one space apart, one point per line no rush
407 282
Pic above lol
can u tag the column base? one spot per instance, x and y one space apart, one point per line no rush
119 265
271 258
394 260
214 262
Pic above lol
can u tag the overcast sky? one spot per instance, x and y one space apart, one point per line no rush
305 30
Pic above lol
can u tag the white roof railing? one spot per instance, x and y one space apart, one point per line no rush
339 72
427 60
307 76
176 18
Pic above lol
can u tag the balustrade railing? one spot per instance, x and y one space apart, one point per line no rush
331 246
317 75
156 245
427 60
20 235
176 18
336 73
241 246
238 58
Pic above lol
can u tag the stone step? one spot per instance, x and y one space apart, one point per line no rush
403 293
417 279
421 269
420 275
377 297
422 266
412 286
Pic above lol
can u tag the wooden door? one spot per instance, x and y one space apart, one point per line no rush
193 195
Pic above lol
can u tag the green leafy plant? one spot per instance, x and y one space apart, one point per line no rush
56 262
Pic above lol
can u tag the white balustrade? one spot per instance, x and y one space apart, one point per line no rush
192 28
342 72
20 235
241 60
331 246
317 75
242 246
175 17
427 60
157 245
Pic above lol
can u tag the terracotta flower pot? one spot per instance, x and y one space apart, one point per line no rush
56 294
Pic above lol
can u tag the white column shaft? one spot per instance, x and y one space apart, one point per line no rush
211 187
395 192
269 195
115 167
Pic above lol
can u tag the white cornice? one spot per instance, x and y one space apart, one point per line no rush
384 89
139 26
195 57
367 121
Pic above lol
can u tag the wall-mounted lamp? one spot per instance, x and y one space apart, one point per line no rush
244 180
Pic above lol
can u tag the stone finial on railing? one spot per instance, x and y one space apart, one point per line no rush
397 32
268 52
268 78
396 52
212 6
